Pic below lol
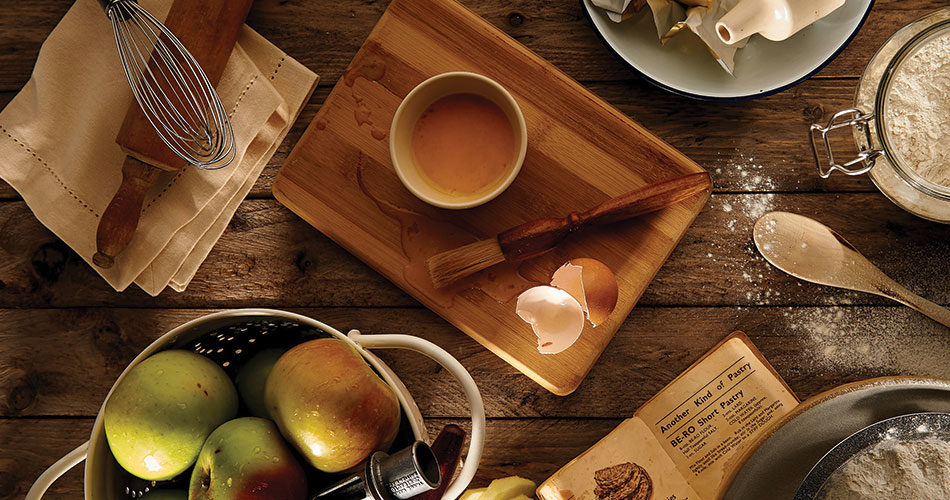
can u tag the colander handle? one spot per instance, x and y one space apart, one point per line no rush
439 355
55 471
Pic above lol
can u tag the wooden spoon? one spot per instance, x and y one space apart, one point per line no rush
809 250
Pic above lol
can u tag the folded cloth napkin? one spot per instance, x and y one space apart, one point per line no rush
58 150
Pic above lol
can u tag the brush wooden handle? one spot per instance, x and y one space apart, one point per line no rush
120 219
537 237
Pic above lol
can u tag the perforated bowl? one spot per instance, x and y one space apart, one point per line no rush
105 480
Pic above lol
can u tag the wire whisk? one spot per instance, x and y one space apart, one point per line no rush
169 85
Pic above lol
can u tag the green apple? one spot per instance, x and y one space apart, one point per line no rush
166 495
159 415
251 378
246 459
330 404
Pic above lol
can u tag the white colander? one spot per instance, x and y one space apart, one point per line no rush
105 479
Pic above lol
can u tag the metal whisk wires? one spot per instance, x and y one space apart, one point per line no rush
171 88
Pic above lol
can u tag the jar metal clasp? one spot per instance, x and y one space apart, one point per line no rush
866 156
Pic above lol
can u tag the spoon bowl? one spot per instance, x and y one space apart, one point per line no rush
809 250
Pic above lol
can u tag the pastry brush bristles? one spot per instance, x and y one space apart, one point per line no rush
448 267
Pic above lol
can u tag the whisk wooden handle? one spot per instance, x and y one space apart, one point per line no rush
120 219
537 237
209 30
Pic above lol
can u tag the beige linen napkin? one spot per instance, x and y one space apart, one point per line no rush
57 147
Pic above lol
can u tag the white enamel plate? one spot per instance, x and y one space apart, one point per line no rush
684 65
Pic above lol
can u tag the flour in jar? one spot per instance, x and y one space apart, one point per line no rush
894 470
918 111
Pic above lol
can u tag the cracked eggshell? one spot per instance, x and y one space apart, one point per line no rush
555 316
592 284
569 278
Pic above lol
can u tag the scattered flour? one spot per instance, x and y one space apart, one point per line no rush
735 255
756 206
751 176
918 111
869 341
746 209
894 470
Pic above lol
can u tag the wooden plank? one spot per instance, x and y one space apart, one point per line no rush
23 28
325 35
754 146
30 446
63 362
269 257
771 153
523 447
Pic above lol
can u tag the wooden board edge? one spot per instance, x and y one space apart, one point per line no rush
568 389
570 384
562 388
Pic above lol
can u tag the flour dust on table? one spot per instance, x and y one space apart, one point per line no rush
867 341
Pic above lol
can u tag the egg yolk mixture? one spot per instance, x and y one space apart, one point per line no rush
463 144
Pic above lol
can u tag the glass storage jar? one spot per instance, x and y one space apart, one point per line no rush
877 153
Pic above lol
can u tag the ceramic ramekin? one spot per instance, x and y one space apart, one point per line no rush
416 103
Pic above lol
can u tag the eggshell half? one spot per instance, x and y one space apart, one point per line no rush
556 317
600 288
570 279
592 284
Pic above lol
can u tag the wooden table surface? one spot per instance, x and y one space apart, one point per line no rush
65 335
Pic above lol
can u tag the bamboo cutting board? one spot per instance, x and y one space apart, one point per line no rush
581 152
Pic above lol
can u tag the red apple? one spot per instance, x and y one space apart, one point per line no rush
246 459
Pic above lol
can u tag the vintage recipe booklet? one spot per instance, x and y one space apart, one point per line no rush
681 444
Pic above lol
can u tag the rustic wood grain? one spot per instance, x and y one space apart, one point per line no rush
30 446
520 447
270 257
754 146
63 362
325 35
65 335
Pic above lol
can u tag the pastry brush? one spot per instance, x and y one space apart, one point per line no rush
537 237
